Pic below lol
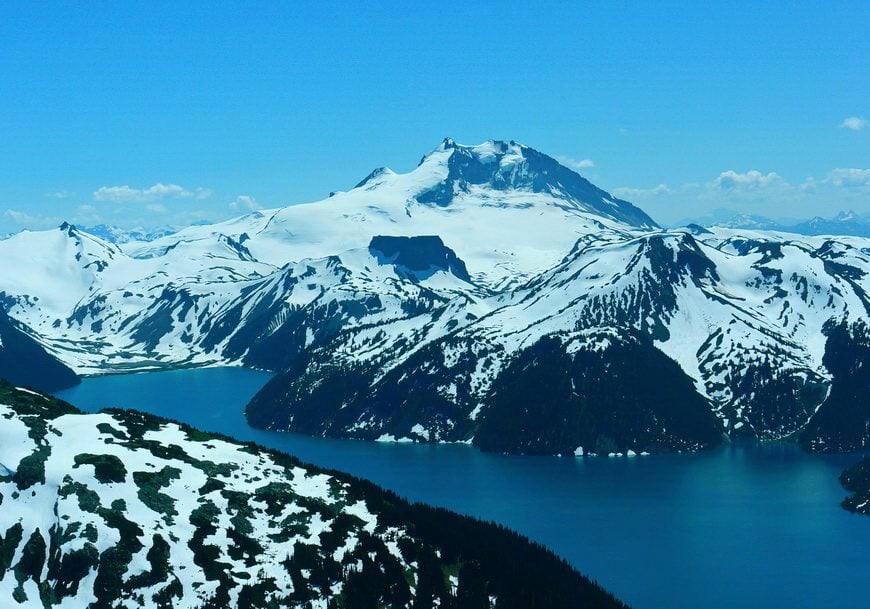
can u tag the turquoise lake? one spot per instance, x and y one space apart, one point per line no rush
745 526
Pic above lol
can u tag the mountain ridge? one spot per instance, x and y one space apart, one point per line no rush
504 253
845 223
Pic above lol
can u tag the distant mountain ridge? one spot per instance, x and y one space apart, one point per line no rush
115 234
846 223
414 305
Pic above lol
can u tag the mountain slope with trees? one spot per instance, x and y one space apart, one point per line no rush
123 508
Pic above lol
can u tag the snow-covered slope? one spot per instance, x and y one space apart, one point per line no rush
99 309
745 315
507 210
122 509
151 304
421 290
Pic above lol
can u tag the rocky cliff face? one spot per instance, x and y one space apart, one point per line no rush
24 361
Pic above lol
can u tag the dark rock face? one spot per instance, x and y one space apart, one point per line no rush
24 362
421 256
628 396
532 171
698 229
842 422
856 480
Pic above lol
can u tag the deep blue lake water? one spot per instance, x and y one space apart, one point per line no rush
755 525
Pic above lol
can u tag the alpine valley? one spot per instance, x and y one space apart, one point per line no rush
491 295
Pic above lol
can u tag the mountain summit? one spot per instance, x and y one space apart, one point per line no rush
503 166
455 170
507 210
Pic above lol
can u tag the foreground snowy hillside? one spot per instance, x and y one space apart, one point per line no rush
430 300
122 509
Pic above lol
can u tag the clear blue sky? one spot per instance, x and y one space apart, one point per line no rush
233 105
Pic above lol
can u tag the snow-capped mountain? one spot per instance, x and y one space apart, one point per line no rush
420 305
745 319
123 509
508 211
844 223
728 218
180 299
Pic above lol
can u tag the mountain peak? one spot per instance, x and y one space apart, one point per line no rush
487 152
501 165
498 164
373 176
846 216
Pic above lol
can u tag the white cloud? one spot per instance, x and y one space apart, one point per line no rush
18 216
60 194
86 209
126 194
641 193
567 161
245 203
849 177
157 208
810 184
855 123
30 221
749 181
764 193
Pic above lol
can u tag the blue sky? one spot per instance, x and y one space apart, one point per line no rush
155 113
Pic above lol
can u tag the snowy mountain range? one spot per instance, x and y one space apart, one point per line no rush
490 295
123 509
116 234
848 223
